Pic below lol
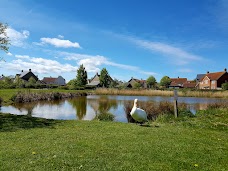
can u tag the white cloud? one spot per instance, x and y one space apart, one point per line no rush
60 36
92 63
17 38
9 54
22 56
179 56
59 42
176 55
39 65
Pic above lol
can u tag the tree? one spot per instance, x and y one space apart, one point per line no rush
31 82
165 81
104 78
19 82
225 86
151 81
4 39
81 79
136 85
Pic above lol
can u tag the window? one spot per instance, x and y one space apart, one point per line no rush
213 82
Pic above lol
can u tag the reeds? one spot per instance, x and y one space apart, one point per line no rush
133 92
146 92
154 110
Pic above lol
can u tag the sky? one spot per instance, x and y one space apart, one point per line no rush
130 38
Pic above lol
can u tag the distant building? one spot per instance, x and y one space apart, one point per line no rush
26 75
177 82
213 80
133 81
60 81
189 84
95 81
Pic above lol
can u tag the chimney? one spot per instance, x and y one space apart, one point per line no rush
225 70
178 77
207 72
30 70
21 70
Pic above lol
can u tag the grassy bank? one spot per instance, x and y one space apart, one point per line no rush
198 143
181 92
8 95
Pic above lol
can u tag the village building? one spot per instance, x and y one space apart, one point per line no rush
131 83
26 75
60 81
213 80
94 82
177 82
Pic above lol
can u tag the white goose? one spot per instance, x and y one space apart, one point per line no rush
138 114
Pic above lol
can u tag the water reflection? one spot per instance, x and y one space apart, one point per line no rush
80 105
88 107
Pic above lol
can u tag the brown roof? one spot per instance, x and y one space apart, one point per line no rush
214 75
49 79
189 84
178 80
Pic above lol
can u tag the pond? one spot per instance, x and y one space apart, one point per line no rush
87 107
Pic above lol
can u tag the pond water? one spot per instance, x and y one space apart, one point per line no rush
87 107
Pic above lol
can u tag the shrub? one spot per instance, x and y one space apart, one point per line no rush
105 116
225 86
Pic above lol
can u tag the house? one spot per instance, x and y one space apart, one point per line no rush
60 81
199 77
189 84
95 81
26 75
133 81
177 82
213 80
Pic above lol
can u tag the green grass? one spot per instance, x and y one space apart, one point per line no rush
179 144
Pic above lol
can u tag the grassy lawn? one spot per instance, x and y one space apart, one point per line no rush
198 143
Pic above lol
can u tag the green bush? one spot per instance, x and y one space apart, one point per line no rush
225 86
105 116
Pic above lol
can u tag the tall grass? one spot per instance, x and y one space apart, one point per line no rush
154 110
181 92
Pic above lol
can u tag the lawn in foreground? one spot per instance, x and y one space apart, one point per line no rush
94 145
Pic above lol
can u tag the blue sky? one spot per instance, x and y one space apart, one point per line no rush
130 38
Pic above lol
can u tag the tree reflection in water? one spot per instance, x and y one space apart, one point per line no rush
103 104
80 104
29 106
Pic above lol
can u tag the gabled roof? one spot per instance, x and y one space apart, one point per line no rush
137 80
94 83
199 77
189 84
178 80
214 75
49 79
23 74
